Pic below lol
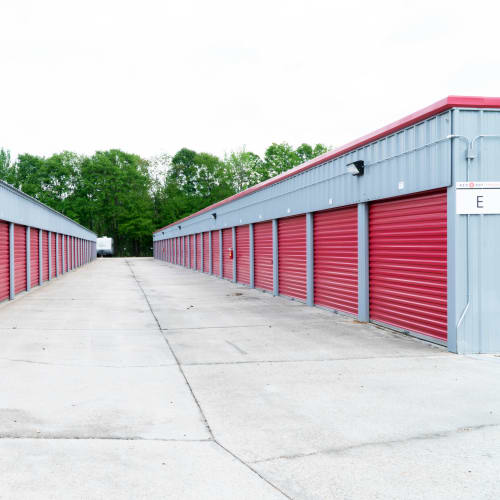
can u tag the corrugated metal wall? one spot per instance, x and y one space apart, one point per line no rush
292 257
243 254
34 258
227 263
21 209
475 272
408 263
4 261
414 159
336 259
20 283
263 255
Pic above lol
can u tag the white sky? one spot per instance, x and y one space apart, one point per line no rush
153 76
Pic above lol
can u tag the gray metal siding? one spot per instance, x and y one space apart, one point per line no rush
475 263
17 207
418 156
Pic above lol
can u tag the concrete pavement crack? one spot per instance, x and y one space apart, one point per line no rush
47 363
312 360
207 425
179 366
343 449
104 438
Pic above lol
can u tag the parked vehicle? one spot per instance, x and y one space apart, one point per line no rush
104 247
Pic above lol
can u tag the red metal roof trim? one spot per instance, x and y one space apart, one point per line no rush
434 109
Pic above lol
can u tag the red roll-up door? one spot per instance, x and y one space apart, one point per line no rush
243 254
227 263
4 261
263 255
292 257
45 255
198 252
179 254
206 253
408 263
215 253
34 258
336 259
53 253
192 249
60 253
19 258
185 259
70 252
66 253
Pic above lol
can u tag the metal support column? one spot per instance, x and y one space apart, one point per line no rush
276 288
363 269
183 251
57 254
252 256
11 261
40 256
201 253
194 252
28 259
210 270
310 259
234 254
49 238
63 252
221 255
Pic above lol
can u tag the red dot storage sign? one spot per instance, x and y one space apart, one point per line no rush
477 197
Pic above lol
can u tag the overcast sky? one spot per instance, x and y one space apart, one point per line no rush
153 76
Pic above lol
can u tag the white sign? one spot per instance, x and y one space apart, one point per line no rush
478 197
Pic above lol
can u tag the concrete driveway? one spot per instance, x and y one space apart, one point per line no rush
133 378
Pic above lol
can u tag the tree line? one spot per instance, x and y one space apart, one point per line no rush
127 197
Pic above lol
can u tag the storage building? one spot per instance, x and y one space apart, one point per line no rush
37 243
400 228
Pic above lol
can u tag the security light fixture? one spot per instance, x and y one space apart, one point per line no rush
179 227
214 215
356 167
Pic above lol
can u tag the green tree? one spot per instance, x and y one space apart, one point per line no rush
6 166
246 169
112 198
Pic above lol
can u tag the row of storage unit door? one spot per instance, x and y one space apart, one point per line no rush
30 256
406 251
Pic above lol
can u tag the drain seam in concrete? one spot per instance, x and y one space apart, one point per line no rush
421 437
248 466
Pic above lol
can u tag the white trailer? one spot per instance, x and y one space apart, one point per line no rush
104 246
